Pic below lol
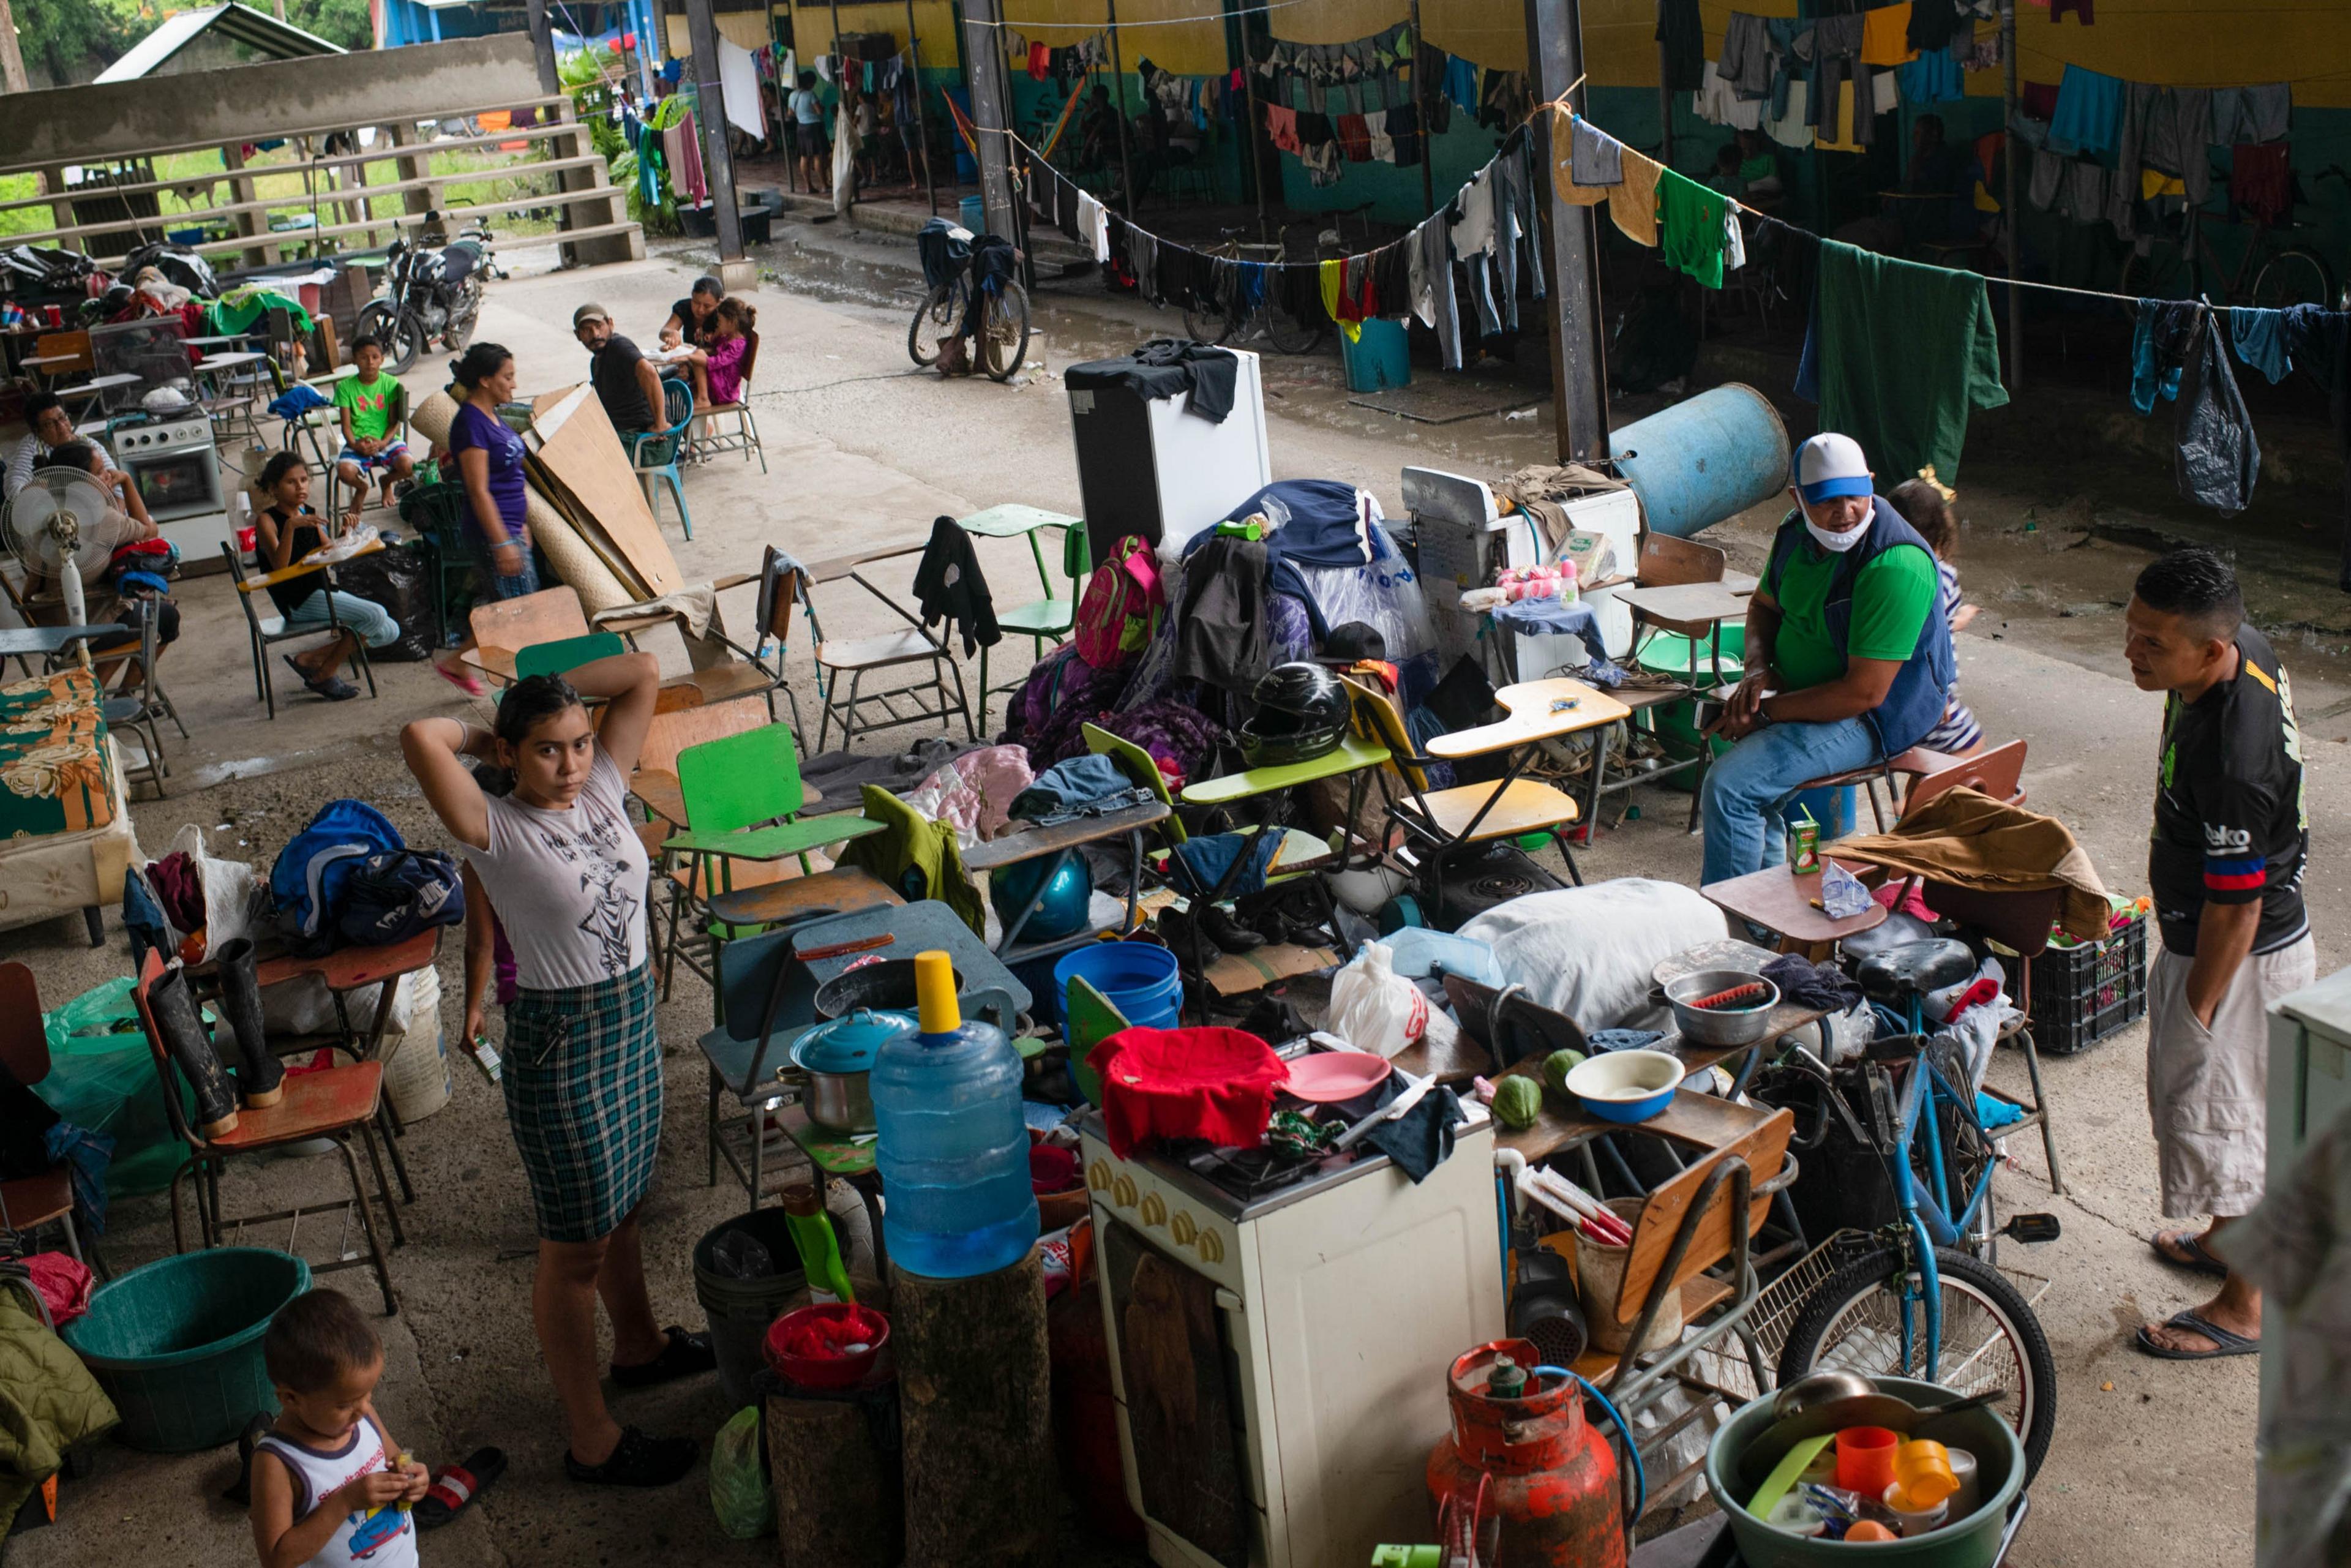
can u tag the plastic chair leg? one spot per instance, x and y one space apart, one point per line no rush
677 488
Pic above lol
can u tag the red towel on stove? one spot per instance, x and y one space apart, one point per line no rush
1212 1083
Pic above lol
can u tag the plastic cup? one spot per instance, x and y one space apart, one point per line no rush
1866 1459
1822 1471
1910 1518
1924 1470
1964 1502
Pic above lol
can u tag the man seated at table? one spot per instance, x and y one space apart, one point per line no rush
51 427
627 383
1848 658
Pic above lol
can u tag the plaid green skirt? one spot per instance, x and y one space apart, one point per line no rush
583 1086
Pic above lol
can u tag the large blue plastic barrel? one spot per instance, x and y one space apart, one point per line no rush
1379 358
972 210
1704 459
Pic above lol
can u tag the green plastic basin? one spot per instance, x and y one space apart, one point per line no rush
177 1344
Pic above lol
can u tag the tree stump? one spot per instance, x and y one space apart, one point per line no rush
839 1496
976 1399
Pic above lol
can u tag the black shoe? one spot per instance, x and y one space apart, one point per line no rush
248 1440
639 1461
1228 933
185 1042
684 1356
260 1077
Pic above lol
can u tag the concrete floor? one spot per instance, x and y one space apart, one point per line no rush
2151 1460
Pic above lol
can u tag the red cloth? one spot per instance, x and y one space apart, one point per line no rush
1052 1168
1040 62
1212 1083
1355 138
2039 100
64 1285
1281 127
2259 181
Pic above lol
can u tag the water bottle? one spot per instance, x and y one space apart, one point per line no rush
953 1149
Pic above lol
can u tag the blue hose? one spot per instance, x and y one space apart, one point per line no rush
1640 1478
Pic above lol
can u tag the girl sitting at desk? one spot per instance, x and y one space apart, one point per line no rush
285 532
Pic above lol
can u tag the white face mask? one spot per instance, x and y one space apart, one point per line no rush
1836 543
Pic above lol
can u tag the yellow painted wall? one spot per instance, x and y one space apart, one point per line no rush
933 26
1148 29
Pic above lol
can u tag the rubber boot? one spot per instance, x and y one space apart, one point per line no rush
185 1042
260 1077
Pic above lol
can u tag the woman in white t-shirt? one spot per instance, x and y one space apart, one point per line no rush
566 873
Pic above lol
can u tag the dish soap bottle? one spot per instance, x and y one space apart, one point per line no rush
954 1147
820 1250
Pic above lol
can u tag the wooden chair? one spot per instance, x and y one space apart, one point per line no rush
744 435
551 615
1998 773
264 632
334 1102
28 1203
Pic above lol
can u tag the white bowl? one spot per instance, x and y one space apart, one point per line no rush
1625 1085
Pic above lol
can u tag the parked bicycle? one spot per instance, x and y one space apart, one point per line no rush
1266 320
1002 341
2273 271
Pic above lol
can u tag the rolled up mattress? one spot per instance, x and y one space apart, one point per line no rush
596 583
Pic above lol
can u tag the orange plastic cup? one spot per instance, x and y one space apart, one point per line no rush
1923 1469
1866 1459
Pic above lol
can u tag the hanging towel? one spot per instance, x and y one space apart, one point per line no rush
1794 128
2260 337
1333 280
1716 103
1886 36
1932 78
1598 158
1281 127
1633 204
1691 216
1563 183
2089 112
1904 353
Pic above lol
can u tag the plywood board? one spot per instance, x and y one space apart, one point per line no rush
582 453
574 562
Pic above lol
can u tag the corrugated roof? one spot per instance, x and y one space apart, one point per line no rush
260 30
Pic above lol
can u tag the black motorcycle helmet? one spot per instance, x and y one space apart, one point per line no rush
1301 713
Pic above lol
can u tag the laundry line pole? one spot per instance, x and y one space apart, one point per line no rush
1569 243
2008 196
922 117
1420 117
1118 75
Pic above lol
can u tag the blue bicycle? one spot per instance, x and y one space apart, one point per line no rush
1918 1296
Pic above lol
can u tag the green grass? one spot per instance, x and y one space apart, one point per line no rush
276 175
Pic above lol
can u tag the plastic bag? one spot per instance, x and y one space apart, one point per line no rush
738 1479
1374 1008
400 577
102 1078
303 1005
231 891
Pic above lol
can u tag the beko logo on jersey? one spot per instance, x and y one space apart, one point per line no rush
2220 838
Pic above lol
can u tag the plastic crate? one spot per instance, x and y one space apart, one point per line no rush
2082 995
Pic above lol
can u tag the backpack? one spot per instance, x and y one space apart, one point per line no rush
315 866
390 897
1120 608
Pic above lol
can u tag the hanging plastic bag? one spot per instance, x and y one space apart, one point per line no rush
738 1479
229 890
1374 1008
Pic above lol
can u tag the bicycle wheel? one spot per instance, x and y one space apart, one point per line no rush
2163 273
936 318
1004 332
1287 335
1990 1338
1209 327
2295 277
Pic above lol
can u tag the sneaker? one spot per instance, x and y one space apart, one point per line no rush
638 1461
684 1356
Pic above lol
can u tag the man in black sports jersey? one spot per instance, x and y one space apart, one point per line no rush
2225 871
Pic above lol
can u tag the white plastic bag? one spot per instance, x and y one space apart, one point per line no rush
1374 1008
229 890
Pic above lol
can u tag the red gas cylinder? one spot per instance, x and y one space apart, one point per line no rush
1524 1477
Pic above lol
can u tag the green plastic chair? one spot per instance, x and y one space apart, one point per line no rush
567 653
1049 618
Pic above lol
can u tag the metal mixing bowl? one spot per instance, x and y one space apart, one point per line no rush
1741 1026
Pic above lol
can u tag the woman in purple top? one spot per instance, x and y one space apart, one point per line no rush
489 458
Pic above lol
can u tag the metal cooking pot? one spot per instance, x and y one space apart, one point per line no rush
888 984
838 1057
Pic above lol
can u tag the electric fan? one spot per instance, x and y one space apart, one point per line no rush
64 528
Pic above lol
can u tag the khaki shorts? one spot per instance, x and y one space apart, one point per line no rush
2207 1088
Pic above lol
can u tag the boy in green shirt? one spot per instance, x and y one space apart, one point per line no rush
369 405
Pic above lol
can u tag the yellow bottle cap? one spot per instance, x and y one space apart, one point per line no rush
935 992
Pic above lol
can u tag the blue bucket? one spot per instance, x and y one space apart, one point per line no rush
974 214
1140 980
1379 358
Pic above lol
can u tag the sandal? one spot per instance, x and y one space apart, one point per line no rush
2197 1256
684 1356
455 1485
2224 1342
466 681
639 1461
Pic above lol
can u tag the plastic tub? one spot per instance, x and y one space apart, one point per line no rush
739 1311
1140 980
177 1344
1378 359
1969 1542
828 1371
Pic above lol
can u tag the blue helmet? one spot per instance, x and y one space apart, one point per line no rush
1060 903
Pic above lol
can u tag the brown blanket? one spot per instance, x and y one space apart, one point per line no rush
1966 838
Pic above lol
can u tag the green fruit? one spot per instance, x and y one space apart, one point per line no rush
1517 1102
1557 1066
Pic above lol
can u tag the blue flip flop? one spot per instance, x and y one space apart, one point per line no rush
2224 1342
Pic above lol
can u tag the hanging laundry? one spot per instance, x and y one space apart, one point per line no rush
1717 104
1932 78
1792 59
2048 171
1597 158
1794 128
1843 98
1390 290
1354 139
2176 352
1093 228
1841 112
2082 193
1734 239
1684 38
2260 179
1143 256
2081 9
1461 83
1886 36
1334 281
1383 145
1904 352
2319 340
2089 112
2038 100
1404 133
1746 61
2259 336
1935 23
1633 204
1432 286
1041 62
1281 127
1690 218
1978 54
2250 113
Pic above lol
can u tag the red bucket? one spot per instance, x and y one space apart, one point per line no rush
831 1344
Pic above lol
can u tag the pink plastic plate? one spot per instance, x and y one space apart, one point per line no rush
1327 1077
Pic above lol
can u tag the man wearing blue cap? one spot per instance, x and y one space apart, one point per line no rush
1848 657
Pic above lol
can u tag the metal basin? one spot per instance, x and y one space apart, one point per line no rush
1704 1025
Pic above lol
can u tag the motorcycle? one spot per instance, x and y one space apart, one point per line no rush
430 293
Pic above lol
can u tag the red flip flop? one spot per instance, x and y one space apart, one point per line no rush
455 1485
470 684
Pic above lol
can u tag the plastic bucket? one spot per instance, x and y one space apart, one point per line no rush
1379 357
177 1344
740 1310
1969 1542
1600 1280
1138 978
1835 809
972 212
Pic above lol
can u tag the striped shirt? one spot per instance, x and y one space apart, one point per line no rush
1959 732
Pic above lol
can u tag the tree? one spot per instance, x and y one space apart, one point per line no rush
345 23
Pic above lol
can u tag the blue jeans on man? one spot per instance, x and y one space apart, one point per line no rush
1746 787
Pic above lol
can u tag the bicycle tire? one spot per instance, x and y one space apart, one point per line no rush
1004 328
941 309
1196 326
1289 334
1867 1278
402 335
2296 276
2163 273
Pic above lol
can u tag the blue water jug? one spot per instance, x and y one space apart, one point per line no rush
953 1149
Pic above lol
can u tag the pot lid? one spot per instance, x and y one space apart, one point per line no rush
849 1044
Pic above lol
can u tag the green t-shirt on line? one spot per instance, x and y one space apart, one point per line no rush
369 405
1891 598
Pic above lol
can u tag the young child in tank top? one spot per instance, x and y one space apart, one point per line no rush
330 1488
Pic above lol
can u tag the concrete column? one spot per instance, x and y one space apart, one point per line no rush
718 160
240 190
1579 367
542 45
991 109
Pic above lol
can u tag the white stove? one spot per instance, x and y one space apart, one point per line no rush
176 465
1279 1356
